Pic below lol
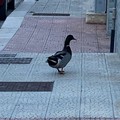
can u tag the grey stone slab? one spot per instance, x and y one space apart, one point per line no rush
16 73
96 101
32 55
25 5
38 6
113 62
8 102
18 2
18 14
96 93
3 69
116 98
63 7
3 42
72 7
32 105
113 67
12 22
73 14
6 34
41 71
66 103
19 72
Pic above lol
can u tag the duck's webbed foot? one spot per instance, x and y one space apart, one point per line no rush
61 71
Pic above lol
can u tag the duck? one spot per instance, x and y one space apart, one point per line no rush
61 58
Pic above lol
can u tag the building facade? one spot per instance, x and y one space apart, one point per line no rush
117 28
112 21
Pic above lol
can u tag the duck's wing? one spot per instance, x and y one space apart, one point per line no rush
55 59
52 60
59 59
60 54
63 58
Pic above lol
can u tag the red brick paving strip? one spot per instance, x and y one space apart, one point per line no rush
47 34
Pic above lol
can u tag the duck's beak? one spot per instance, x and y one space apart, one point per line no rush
74 39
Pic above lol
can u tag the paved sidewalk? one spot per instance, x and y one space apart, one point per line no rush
47 34
36 38
73 7
13 22
89 89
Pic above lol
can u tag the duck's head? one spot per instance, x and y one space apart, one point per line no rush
68 39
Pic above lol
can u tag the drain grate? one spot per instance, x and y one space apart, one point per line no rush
15 60
50 14
26 86
7 55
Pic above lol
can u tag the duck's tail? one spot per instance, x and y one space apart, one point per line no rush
52 60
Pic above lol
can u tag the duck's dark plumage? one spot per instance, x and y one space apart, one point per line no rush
61 58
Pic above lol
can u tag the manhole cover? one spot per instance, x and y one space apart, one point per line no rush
26 86
7 55
50 14
15 60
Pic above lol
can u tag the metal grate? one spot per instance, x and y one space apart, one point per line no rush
7 55
50 14
26 86
15 60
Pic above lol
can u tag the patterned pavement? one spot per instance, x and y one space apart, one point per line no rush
47 34
89 89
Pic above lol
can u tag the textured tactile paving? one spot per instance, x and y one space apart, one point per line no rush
15 60
26 86
7 55
90 88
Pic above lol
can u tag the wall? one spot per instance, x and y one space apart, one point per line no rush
117 28
110 6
